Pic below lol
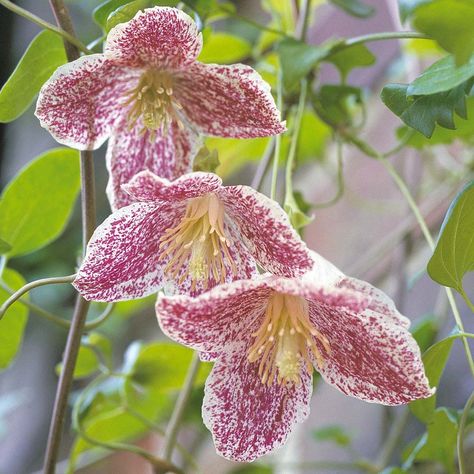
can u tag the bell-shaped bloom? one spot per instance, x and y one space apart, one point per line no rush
267 334
187 236
150 95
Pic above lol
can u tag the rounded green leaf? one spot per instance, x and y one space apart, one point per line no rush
43 56
13 323
224 48
453 256
36 205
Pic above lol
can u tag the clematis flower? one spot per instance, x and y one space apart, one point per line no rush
150 95
267 334
187 235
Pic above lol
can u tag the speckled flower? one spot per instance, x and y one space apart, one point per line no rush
267 334
192 233
150 95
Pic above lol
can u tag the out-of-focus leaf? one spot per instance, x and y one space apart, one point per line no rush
354 7
43 56
350 58
37 203
252 469
407 7
102 12
394 470
12 325
5 247
424 331
425 111
297 59
206 161
453 256
336 434
442 76
224 48
314 136
449 22
86 365
440 444
336 104
434 360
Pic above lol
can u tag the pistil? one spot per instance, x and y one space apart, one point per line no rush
199 242
154 102
287 341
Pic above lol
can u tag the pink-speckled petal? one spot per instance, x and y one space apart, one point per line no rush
130 151
159 37
373 357
266 231
217 318
248 419
146 186
123 260
228 101
81 101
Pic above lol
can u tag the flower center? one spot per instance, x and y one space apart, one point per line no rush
152 100
286 340
200 240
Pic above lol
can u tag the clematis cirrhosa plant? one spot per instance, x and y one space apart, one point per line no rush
150 95
187 235
267 334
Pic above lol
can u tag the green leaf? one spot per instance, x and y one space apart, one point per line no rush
425 111
440 444
297 59
313 138
407 7
252 469
206 161
453 256
4 247
43 56
449 22
424 331
350 58
336 104
161 367
354 7
37 203
297 216
434 360
102 12
13 323
224 48
442 76
86 365
125 13
336 434
394 470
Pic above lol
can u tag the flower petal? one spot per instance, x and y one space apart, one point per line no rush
266 231
221 316
160 37
122 260
146 186
228 101
248 419
80 103
373 357
131 151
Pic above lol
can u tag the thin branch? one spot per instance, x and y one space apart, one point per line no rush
82 306
44 24
263 165
178 411
384 36
276 154
101 318
29 286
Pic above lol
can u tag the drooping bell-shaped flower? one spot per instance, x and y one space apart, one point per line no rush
187 235
267 334
153 99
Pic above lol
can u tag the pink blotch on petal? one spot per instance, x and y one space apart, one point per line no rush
248 419
131 151
160 37
266 231
81 101
228 101
146 186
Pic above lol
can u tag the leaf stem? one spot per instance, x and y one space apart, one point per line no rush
82 306
384 36
467 300
44 24
263 165
369 151
461 431
179 408
29 286
276 154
